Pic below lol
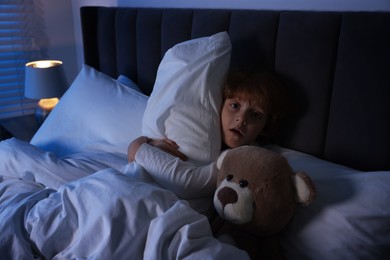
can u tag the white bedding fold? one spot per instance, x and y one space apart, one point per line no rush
17 197
22 160
104 215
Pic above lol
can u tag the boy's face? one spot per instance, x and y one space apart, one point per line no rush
241 121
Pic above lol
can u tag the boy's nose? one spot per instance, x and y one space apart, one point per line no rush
241 119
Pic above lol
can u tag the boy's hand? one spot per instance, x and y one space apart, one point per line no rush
169 146
133 147
166 145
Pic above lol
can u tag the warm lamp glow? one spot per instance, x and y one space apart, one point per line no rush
48 103
44 63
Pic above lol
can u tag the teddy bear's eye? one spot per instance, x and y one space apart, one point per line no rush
243 183
229 177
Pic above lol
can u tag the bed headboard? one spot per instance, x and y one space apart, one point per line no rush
337 65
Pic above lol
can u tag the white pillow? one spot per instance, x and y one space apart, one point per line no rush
186 99
350 218
97 113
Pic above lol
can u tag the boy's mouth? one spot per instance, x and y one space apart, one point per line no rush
236 131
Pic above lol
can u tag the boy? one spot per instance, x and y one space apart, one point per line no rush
253 104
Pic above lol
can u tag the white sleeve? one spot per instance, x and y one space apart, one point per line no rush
181 177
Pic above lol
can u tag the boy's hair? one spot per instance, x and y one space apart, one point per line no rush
262 88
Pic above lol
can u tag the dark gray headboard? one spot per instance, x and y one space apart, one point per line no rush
337 65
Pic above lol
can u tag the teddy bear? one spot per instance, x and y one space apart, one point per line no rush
257 193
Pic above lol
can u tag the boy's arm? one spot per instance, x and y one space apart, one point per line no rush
166 145
183 178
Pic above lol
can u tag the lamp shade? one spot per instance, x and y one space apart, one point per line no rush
44 79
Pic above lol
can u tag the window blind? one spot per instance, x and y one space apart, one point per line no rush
19 33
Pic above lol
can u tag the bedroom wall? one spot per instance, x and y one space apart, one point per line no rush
265 4
338 5
63 23
59 28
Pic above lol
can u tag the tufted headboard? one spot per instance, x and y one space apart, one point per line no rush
336 64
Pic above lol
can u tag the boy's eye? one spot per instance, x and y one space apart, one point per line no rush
257 114
235 106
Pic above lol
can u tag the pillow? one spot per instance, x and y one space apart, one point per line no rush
128 82
186 99
97 113
350 218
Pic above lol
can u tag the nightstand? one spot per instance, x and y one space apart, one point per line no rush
23 127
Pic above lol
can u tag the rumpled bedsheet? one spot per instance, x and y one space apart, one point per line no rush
22 160
107 214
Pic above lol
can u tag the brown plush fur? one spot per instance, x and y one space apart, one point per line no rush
267 177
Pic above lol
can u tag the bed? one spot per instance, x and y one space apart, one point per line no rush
70 193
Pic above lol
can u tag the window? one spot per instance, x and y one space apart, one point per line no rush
20 35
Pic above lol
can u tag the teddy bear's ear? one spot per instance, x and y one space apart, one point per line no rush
305 189
221 158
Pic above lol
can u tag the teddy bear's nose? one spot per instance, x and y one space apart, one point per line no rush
227 195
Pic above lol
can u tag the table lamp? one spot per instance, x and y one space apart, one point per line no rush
44 80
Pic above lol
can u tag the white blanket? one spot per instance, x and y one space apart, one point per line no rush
23 160
104 215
